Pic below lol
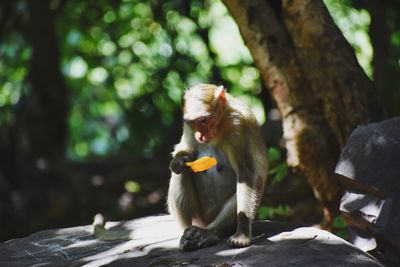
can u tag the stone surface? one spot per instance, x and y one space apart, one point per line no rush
371 158
154 242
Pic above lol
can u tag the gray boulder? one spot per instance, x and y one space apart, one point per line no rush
372 156
369 168
154 242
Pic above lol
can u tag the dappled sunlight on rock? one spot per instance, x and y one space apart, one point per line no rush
154 241
304 234
231 252
85 243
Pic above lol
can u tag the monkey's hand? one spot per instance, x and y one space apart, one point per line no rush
178 163
239 240
195 237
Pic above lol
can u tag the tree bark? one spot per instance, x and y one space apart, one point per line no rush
312 74
330 64
46 103
385 78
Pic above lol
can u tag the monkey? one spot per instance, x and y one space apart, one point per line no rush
209 205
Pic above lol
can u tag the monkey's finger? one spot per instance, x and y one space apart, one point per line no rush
239 241
192 233
177 165
207 240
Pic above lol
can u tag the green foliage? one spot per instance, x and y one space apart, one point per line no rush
128 62
274 154
268 212
132 187
279 172
340 227
15 55
354 25
339 222
279 168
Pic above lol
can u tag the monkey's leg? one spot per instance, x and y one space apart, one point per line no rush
224 223
195 237
246 206
182 199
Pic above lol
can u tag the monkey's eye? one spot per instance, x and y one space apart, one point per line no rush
202 121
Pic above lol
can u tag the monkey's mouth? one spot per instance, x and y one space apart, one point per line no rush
203 137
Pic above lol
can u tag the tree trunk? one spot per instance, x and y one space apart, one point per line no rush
313 75
386 78
46 102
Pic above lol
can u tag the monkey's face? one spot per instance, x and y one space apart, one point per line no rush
203 110
202 119
204 128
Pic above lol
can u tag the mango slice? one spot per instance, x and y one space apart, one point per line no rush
202 164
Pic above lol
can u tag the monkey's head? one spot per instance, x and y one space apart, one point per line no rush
203 109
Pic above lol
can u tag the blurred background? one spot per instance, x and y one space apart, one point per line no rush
90 95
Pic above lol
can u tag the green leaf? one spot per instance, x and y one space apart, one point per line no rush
132 186
270 212
263 213
274 154
280 172
339 222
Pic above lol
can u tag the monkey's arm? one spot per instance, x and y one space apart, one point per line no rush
187 143
185 151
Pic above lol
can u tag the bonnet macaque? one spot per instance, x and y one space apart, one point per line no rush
210 204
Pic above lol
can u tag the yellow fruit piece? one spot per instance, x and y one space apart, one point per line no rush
202 164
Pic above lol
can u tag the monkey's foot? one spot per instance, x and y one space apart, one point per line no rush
239 240
194 238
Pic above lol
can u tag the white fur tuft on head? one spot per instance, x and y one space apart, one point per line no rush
218 91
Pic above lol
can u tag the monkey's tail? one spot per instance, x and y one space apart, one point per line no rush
104 234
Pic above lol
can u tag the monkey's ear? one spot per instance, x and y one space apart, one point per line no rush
220 94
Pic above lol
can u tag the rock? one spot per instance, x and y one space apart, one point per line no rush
370 162
154 242
372 156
